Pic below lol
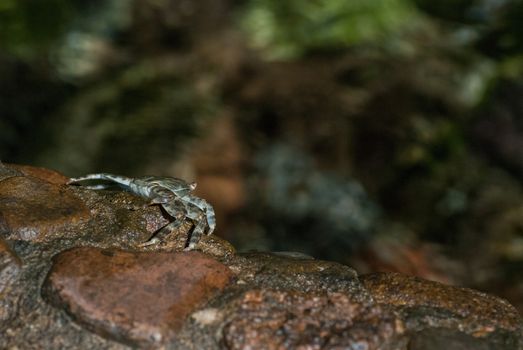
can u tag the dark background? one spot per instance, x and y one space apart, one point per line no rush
384 134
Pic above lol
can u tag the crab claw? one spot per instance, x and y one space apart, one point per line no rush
150 242
158 200
190 247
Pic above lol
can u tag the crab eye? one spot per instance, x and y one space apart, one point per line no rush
192 186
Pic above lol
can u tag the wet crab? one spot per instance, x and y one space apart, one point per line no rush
174 195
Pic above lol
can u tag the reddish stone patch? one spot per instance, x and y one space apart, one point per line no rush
36 210
268 319
137 298
48 175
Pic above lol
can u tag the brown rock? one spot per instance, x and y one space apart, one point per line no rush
298 272
437 304
119 219
36 210
8 261
48 175
10 267
7 172
267 319
438 339
138 298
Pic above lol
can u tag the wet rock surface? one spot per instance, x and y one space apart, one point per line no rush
277 271
481 311
36 210
73 275
269 319
10 266
48 175
426 304
136 297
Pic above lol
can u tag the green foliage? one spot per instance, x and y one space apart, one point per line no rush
290 28
29 27
144 113
450 10
495 25
504 34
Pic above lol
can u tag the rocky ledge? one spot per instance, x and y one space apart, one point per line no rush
73 275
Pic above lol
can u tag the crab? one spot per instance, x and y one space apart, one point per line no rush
172 194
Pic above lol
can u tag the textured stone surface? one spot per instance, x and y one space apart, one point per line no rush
36 210
426 304
8 171
438 339
113 294
295 272
289 320
123 220
408 291
48 175
10 266
137 298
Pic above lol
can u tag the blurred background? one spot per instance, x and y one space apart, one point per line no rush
383 134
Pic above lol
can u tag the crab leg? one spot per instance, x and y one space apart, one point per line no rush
122 180
206 208
162 233
177 211
98 187
172 194
198 231
211 218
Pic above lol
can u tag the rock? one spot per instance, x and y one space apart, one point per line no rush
122 220
266 319
274 270
136 298
426 304
10 266
36 210
48 175
7 172
437 339
215 246
87 243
